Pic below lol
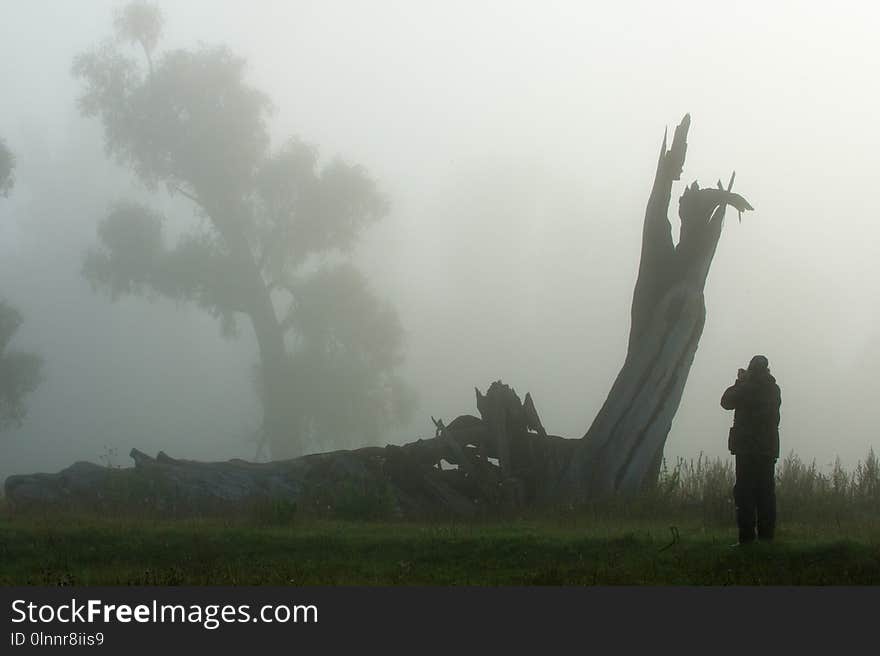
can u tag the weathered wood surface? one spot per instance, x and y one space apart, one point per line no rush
622 450
473 466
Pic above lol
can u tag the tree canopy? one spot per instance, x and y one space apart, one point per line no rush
7 164
20 373
274 228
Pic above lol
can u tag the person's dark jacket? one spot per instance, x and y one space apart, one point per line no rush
756 401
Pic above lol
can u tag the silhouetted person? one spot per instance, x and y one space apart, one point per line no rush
754 440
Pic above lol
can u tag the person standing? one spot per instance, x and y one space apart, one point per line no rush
755 399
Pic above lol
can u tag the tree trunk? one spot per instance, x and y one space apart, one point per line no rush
623 448
277 431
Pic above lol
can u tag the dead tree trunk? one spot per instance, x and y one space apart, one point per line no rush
621 452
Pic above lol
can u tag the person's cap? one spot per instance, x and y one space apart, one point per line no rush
759 363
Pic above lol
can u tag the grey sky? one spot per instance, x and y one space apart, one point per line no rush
517 142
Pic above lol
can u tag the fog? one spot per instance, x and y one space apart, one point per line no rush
517 143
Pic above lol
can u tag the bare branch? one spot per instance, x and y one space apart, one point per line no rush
183 192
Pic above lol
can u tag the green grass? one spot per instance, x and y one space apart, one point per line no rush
566 550
829 534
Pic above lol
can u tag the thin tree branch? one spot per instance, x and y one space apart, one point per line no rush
191 196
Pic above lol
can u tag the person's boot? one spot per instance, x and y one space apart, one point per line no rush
766 529
746 536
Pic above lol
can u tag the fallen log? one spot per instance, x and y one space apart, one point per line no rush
400 481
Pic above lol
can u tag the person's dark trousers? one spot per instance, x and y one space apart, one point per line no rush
755 497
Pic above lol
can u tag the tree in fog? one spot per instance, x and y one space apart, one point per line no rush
7 163
341 347
20 373
272 237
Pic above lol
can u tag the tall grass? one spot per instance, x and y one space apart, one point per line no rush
690 489
804 493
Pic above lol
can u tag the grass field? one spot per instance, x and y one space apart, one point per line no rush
828 534
564 551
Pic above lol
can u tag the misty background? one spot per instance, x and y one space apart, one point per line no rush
517 143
